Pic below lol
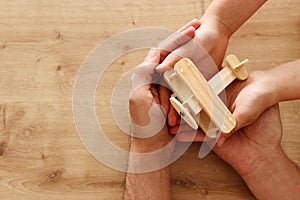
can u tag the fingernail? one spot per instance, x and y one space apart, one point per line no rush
221 141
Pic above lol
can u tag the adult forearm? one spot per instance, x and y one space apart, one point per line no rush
151 185
155 183
275 177
229 15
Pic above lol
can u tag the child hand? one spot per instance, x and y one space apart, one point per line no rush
249 99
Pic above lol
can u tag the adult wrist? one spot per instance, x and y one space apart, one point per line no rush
141 145
144 157
275 177
153 143
263 164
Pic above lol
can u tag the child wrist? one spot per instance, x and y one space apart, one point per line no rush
272 87
215 24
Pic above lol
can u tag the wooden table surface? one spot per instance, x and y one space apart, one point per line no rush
42 45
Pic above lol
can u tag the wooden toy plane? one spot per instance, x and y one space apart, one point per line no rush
196 99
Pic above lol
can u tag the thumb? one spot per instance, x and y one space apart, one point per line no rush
153 56
239 124
142 74
242 119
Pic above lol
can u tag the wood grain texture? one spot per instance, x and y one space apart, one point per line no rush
207 98
42 45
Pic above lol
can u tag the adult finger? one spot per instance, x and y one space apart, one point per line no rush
168 62
183 127
189 137
172 116
223 137
154 93
241 121
142 76
164 94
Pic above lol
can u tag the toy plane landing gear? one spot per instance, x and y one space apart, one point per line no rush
196 100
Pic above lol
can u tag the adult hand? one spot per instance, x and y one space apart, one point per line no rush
145 99
150 133
256 154
250 143
144 108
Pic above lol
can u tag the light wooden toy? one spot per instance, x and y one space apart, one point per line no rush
196 99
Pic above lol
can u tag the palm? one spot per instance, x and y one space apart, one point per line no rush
253 143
